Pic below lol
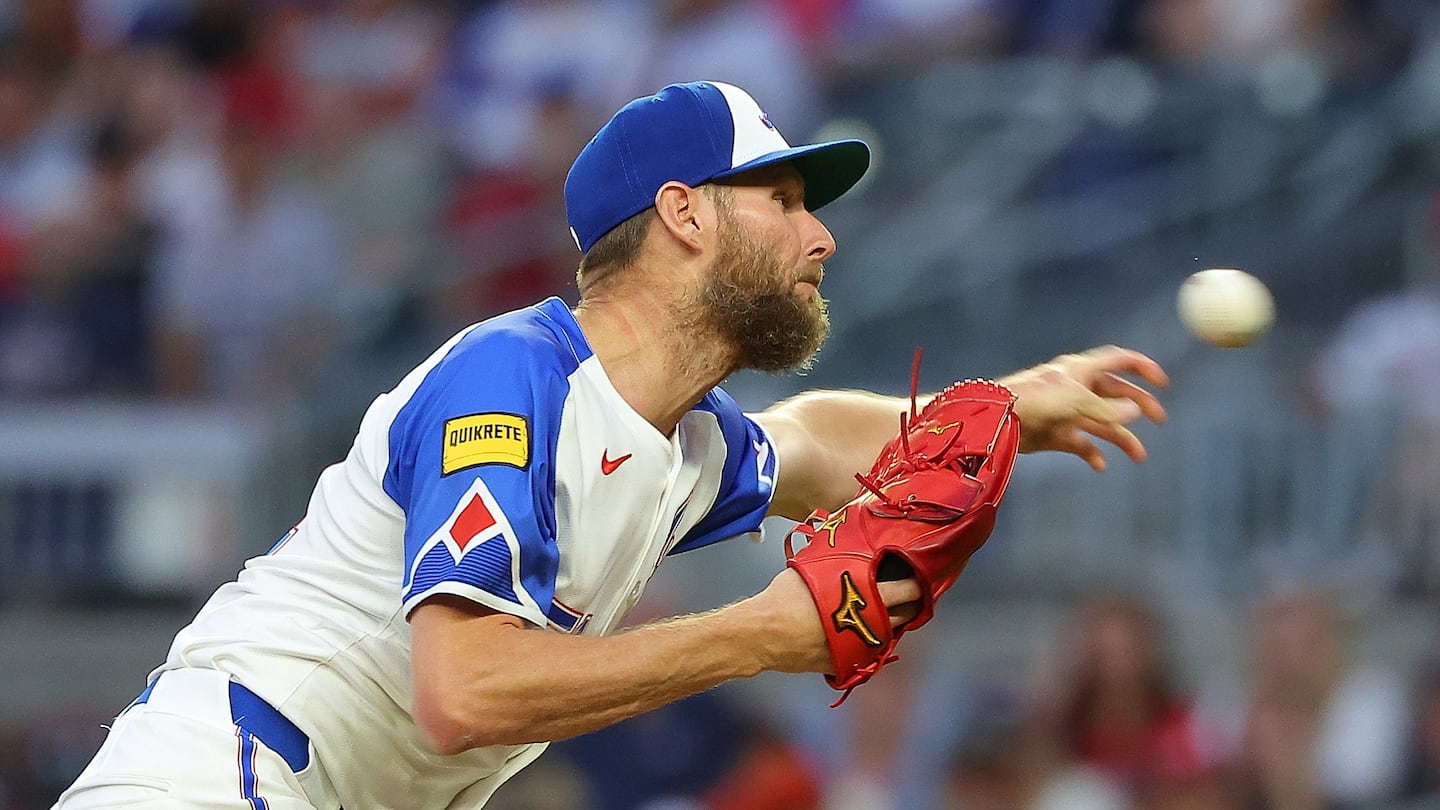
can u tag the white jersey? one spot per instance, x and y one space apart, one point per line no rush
507 470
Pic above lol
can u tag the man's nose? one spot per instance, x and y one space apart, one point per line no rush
820 244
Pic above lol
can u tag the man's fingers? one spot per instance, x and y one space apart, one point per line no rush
897 592
1074 397
1122 411
1072 441
1099 409
901 598
904 613
1075 440
1118 435
1112 386
1116 360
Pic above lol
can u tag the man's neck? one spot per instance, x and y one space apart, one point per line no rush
661 365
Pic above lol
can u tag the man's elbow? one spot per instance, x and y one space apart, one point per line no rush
447 740
464 700
449 728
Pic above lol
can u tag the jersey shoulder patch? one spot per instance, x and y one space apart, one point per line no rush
472 461
491 398
485 438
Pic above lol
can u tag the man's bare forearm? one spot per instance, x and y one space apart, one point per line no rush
823 439
506 684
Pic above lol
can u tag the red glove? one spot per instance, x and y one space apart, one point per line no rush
928 503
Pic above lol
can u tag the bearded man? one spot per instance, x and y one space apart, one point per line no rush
446 605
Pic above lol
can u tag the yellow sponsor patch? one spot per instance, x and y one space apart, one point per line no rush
485 438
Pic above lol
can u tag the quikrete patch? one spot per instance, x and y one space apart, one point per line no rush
485 438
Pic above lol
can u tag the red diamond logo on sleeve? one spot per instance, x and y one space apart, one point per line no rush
472 520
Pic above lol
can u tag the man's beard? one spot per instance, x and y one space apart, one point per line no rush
749 299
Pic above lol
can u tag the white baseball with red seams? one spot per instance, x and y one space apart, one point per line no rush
1225 307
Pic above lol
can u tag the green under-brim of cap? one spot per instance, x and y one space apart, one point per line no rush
830 169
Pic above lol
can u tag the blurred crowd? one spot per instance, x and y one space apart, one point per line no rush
214 198
1101 714
1098 718
245 201
1309 725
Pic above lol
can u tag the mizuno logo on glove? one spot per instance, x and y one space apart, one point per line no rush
848 616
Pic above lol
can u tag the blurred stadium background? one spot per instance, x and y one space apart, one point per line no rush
225 225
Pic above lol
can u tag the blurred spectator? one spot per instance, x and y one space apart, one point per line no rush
219 35
1073 27
517 109
814 23
673 753
507 227
383 53
72 283
1422 771
1213 790
1297 50
515 58
874 733
771 773
1011 758
363 72
1377 379
1116 709
42 166
174 112
51 31
245 288
743 42
1385 356
985 771
1323 730
1104 728
82 323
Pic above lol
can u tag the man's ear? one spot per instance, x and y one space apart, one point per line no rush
679 208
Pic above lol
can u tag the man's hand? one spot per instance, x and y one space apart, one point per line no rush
1065 402
798 643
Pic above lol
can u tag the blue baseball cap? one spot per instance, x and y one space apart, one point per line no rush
693 133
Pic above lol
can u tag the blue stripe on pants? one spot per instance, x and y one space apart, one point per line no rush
247 770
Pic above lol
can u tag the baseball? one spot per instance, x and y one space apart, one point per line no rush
1225 307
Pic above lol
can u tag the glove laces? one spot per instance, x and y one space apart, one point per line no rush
910 462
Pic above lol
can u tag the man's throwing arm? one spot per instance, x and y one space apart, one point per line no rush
487 678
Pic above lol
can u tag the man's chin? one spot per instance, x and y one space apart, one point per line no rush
806 358
805 364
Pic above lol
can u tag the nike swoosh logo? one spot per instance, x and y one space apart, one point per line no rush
607 466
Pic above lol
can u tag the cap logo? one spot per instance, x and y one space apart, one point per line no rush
765 119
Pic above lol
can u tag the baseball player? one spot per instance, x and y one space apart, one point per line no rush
445 606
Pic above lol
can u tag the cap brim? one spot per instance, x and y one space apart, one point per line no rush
830 169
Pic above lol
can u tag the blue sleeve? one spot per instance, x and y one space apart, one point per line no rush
748 480
472 465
